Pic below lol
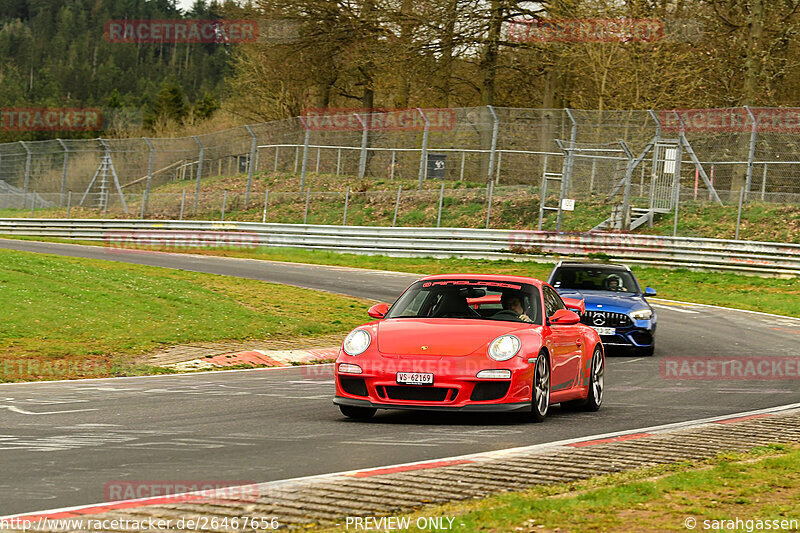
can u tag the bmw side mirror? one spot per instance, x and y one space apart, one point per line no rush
378 310
649 291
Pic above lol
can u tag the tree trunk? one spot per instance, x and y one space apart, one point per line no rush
488 64
488 68
448 46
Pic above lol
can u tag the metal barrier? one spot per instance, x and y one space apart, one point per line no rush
764 258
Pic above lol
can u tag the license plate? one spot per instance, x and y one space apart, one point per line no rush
414 378
604 331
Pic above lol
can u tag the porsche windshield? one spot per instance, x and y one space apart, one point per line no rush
595 279
469 299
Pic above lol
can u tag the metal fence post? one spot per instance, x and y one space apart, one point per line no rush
764 183
346 202
308 198
296 157
306 140
463 158
316 165
224 203
27 167
199 172
266 201
490 190
63 172
739 215
338 160
391 167
362 162
423 158
146 197
69 203
251 166
277 153
493 152
675 222
626 196
751 153
566 172
183 203
397 205
441 200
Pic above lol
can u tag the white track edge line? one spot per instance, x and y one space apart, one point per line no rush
173 375
475 456
727 308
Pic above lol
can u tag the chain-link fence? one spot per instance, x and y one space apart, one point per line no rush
644 160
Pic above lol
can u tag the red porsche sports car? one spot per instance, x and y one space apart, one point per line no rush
472 342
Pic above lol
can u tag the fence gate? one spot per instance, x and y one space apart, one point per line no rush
665 175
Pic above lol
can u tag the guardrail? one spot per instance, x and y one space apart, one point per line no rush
764 258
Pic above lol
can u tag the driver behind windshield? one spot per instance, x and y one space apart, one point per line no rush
614 283
513 302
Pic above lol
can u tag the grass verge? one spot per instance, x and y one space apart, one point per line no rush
761 484
70 317
768 295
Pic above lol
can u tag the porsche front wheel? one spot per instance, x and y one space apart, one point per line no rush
540 394
361 413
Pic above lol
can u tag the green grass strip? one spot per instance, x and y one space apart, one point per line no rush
103 314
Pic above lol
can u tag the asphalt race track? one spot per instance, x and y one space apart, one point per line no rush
61 443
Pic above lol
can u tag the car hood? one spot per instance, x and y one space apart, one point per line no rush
441 336
618 302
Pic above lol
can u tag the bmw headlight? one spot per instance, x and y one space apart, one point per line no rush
504 347
356 342
642 314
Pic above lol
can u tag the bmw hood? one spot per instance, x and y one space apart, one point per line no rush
438 336
617 302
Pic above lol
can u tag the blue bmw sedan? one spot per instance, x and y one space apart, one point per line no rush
615 303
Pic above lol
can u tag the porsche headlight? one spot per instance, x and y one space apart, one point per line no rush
356 342
642 314
504 347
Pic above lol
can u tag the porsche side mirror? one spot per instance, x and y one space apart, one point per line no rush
564 317
649 291
575 304
378 310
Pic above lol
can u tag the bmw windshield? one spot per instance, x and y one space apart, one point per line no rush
469 299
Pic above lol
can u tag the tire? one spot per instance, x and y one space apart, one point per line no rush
646 352
596 385
540 389
359 413
596 381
